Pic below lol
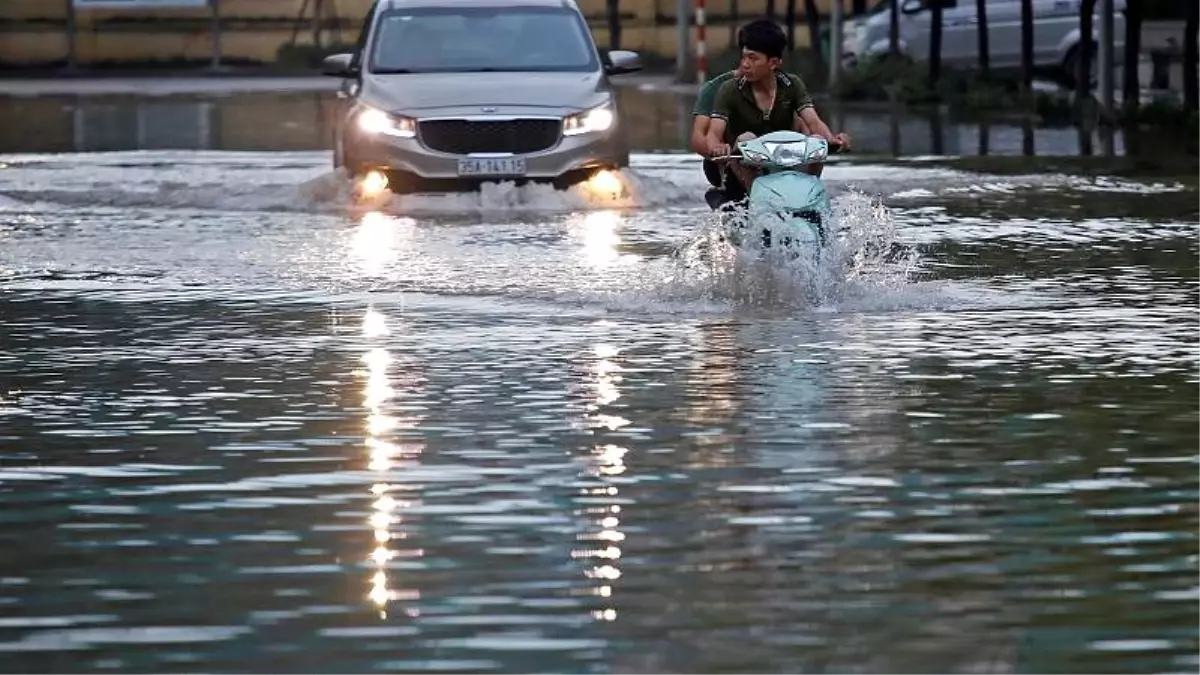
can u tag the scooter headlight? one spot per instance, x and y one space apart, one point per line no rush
796 154
754 156
374 121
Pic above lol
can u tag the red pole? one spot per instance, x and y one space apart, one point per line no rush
701 47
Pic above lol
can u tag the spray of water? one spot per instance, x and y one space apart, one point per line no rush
336 190
862 256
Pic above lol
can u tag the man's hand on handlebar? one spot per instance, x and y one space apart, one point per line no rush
719 150
841 142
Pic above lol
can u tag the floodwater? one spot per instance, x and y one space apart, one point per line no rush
249 425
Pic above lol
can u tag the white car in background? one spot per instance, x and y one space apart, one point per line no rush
1055 33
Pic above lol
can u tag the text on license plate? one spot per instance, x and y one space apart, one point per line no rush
492 166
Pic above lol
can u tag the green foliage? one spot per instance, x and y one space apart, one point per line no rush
980 94
1056 109
1164 112
907 81
886 78
900 79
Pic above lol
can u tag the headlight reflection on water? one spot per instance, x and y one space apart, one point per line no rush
601 546
600 232
387 457
377 240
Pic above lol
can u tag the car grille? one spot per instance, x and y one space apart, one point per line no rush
462 137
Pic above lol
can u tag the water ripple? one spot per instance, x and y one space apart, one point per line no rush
256 433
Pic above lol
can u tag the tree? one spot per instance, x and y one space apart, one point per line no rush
1084 51
789 20
894 28
1130 86
613 8
985 66
812 16
734 20
1191 88
935 43
1027 46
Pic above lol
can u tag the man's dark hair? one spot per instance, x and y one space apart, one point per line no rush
763 36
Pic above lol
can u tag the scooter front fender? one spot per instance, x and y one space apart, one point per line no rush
795 200
788 192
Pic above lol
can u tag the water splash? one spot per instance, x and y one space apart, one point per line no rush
311 190
865 257
335 190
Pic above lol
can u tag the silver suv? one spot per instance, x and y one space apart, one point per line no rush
447 94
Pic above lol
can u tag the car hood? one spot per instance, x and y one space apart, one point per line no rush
424 94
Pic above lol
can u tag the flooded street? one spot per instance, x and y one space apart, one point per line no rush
249 425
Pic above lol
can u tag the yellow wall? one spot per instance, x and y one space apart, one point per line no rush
32 31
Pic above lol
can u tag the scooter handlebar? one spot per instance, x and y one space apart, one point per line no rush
835 148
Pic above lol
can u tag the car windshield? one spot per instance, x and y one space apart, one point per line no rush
482 39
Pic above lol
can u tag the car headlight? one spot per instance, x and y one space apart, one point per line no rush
374 121
600 118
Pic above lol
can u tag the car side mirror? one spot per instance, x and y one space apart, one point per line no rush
338 65
620 61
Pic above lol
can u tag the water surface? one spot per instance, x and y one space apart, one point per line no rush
247 425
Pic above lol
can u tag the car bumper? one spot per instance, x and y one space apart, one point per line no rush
571 156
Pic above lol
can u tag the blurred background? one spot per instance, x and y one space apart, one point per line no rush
938 64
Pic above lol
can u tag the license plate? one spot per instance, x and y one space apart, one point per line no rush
492 166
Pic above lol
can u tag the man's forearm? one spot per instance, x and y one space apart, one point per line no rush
716 134
815 124
710 142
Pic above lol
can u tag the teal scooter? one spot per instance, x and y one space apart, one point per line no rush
787 206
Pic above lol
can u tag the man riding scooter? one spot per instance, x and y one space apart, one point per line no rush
760 100
702 117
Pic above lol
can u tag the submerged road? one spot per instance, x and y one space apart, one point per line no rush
250 425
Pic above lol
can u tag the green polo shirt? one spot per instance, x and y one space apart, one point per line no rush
708 92
735 104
